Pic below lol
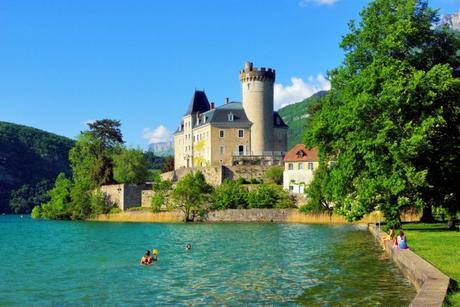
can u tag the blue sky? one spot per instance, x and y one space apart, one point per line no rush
66 62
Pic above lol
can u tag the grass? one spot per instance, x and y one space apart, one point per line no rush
439 246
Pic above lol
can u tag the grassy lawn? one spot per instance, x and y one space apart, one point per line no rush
440 247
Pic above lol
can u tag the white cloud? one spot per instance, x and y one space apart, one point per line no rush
157 135
304 3
299 89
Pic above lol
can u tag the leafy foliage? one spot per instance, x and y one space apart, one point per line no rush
168 165
161 189
269 196
190 195
107 132
319 191
130 166
30 160
230 195
391 120
275 174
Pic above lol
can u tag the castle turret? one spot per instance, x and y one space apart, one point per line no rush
257 98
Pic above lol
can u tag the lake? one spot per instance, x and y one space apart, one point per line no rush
95 263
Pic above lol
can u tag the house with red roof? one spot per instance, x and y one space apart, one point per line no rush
300 164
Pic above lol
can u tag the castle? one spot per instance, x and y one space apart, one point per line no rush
223 135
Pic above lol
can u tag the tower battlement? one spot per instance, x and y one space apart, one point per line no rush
250 73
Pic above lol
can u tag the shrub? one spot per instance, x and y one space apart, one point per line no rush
115 210
99 203
275 174
161 190
36 212
269 196
230 195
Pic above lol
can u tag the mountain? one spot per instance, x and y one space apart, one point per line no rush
162 149
30 160
295 116
452 20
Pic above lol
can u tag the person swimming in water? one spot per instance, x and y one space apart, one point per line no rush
146 259
188 246
155 255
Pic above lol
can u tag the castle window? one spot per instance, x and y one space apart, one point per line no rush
310 165
300 167
291 166
231 117
222 150
240 133
221 133
249 86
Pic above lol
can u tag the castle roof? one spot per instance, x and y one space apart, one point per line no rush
199 103
230 115
299 153
278 121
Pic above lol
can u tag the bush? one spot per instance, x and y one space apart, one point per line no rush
36 212
99 203
131 166
115 210
275 174
230 195
161 189
269 196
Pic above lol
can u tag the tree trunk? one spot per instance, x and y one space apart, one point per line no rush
452 221
427 215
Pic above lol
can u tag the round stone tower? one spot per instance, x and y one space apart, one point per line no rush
257 99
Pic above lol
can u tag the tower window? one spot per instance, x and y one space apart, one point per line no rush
221 133
249 86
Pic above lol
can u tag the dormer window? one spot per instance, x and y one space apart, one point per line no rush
231 117
300 154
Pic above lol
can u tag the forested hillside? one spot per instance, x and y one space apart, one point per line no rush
295 116
30 160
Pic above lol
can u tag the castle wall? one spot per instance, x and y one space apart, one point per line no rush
230 143
179 153
201 138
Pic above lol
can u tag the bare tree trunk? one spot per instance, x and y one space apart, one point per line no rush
427 215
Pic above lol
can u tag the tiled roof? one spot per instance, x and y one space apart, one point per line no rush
299 153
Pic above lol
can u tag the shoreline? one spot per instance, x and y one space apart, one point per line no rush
288 216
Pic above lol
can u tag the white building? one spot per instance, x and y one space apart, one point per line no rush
299 166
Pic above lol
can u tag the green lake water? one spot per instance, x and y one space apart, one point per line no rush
91 263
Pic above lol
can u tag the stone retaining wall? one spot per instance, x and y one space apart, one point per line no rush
431 284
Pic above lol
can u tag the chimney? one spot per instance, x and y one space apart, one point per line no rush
226 100
213 105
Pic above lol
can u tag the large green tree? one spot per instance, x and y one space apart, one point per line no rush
131 166
391 120
190 195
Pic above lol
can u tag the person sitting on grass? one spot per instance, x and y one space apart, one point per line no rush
146 259
401 241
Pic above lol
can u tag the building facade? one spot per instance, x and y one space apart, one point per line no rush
210 135
300 164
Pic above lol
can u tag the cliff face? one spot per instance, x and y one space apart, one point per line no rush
30 160
452 20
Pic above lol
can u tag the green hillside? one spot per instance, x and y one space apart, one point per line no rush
30 160
295 116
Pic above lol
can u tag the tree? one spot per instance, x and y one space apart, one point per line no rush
161 190
130 166
275 174
168 165
392 111
319 192
107 131
59 206
190 195
269 196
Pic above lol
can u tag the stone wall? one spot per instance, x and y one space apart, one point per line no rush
431 284
146 198
125 196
